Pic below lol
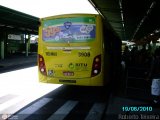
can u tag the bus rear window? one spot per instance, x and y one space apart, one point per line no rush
69 30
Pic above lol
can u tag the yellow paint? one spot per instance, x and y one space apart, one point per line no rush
76 57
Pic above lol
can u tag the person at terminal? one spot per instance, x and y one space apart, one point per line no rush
134 56
126 55
154 75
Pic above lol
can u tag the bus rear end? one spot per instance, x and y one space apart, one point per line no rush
70 50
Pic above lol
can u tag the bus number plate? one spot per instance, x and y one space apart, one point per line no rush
68 73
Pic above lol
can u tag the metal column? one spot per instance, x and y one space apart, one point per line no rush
27 43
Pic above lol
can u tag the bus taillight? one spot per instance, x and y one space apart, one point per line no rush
96 67
42 66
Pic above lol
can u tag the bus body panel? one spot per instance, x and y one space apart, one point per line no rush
66 60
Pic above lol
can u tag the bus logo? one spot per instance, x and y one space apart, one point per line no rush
77 66
81 64
67 25
71 66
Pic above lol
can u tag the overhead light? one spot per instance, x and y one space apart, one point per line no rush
2 25
144 18
157 31
153 4
10 26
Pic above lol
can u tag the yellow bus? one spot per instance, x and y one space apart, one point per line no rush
71 50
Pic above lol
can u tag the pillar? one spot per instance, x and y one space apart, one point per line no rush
2 44
2 49
27 43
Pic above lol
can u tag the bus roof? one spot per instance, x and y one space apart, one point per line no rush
69 15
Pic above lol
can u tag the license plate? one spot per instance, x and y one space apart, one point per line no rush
68 73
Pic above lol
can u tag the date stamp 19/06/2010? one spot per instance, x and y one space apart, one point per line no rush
137 108
138 113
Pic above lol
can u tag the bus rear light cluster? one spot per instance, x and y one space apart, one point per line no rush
96 67
42 66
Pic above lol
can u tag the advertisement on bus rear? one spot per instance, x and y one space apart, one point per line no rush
70 30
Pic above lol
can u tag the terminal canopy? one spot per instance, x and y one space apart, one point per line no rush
131 19
15 20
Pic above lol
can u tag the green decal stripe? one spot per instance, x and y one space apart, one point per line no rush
74 41
88 20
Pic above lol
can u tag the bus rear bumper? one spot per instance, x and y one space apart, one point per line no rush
92 81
